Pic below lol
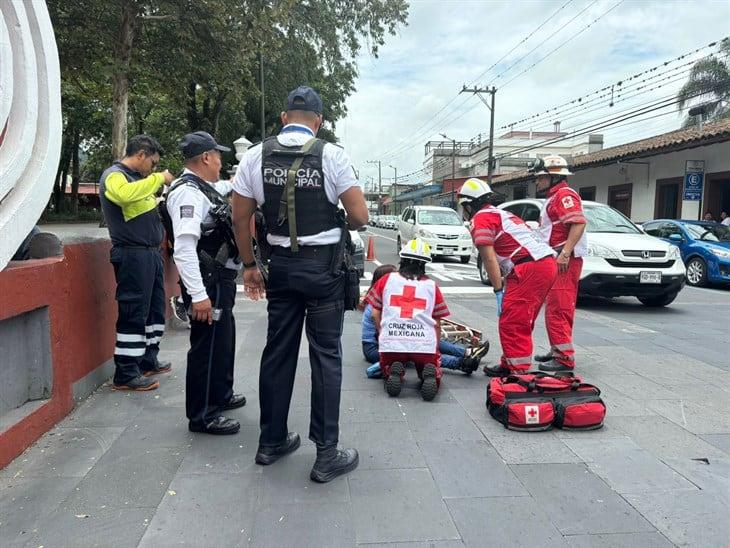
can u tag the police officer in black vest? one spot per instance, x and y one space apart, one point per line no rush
298 181
128 191
207 259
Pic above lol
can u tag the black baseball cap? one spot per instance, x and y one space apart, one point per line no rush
304 98
196 143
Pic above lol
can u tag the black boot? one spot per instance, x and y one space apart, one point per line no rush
332 462
468 365
543 357
554 366
269 455
394 380
495 371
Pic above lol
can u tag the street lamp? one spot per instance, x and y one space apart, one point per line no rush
453 169
395 188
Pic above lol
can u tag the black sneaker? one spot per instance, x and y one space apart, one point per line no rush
544 357
178 309
430 386
468 365
394 381
332 463
137 384
554 366
480 351
269 455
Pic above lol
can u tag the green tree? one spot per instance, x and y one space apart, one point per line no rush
709 84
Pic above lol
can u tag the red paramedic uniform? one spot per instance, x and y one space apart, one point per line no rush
408 325
530 269
562 209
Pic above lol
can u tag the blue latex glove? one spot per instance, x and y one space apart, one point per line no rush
500 297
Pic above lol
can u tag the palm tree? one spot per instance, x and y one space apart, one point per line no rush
709 85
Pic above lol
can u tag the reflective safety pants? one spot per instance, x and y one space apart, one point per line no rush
141 310
526 288
560 311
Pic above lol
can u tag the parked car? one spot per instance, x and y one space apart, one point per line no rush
622 260
388 221
705 247
441 227
374 220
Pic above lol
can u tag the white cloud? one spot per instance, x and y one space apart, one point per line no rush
449 43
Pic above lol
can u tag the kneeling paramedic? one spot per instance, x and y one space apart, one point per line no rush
298 180
407 311
207 259
509 248
562 226
127 191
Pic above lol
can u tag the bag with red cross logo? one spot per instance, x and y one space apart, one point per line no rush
538 401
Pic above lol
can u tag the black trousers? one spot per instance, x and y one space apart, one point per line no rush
209 376
301 287
140 298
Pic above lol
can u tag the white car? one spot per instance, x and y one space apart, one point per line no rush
441 227
622 260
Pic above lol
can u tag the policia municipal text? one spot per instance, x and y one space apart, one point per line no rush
298 181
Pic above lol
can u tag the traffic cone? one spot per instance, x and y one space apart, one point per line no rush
371 250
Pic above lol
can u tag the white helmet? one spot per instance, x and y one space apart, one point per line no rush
552 165
416 249
472 189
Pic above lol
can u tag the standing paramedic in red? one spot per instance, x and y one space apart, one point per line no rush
407 311
509 248
562 226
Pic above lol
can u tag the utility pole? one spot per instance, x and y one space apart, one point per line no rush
395 189
478 92
380 181
453 170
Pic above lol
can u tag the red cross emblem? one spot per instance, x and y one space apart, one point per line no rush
532 412
408 302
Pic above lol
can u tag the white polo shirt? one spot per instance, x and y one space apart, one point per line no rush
339 176
188 208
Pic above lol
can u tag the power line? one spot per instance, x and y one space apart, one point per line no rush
604 123
617 4
550 37
618 83
428 122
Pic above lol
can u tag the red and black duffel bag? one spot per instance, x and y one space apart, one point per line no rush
537 401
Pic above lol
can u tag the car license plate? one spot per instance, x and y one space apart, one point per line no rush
449 251
650 277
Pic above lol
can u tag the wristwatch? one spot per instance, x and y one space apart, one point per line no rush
249 265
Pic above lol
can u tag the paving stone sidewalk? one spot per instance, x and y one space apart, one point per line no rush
123 470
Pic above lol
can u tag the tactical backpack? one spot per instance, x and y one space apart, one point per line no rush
537 401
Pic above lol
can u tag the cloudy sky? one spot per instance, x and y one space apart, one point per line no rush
409 93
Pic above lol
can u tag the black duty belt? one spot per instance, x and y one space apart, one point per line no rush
321 252
142 247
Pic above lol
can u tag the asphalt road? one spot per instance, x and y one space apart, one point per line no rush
451 275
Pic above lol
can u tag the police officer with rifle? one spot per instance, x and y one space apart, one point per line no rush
298 181
205 253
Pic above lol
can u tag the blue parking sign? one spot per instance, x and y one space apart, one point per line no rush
693 185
